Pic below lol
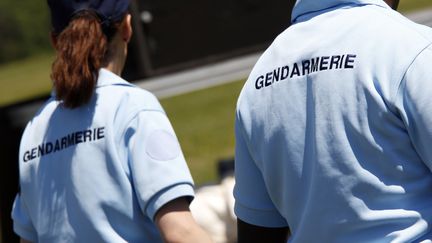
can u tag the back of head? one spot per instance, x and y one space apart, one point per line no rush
82 31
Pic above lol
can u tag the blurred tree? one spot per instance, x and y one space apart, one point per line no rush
24 28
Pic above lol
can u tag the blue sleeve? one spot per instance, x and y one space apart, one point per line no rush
414 101
22 223
158 168
252 202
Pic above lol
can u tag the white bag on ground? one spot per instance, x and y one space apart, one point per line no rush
213 209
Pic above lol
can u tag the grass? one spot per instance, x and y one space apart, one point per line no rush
204 123
411 5
25 79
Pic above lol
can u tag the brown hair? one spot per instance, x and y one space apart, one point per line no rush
81 49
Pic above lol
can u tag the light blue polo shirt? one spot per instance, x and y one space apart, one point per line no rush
100 172
334 127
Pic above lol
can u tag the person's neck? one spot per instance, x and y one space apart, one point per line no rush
115 67
116 60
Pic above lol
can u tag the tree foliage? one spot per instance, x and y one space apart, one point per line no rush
24 28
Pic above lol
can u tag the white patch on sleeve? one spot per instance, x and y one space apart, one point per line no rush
161 145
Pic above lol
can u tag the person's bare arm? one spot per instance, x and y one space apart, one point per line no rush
248 233
176 223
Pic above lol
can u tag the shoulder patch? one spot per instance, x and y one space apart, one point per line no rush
162 145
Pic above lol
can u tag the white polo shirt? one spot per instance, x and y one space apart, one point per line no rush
334 127
100 172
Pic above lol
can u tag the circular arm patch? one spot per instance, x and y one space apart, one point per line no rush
162 145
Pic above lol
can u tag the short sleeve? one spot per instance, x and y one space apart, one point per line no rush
158 168
252 202
21 220
415 104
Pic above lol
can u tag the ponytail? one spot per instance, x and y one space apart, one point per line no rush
81 49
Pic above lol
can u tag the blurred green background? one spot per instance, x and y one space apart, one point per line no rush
203 119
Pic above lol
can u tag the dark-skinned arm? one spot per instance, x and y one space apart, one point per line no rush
248 233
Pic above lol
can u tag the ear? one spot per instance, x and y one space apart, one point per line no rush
127 28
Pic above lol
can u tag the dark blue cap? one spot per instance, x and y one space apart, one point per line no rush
109 11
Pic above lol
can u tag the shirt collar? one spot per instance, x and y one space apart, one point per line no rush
303 7
107 78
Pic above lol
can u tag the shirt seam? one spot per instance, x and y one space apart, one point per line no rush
270 210
401 81
135 114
